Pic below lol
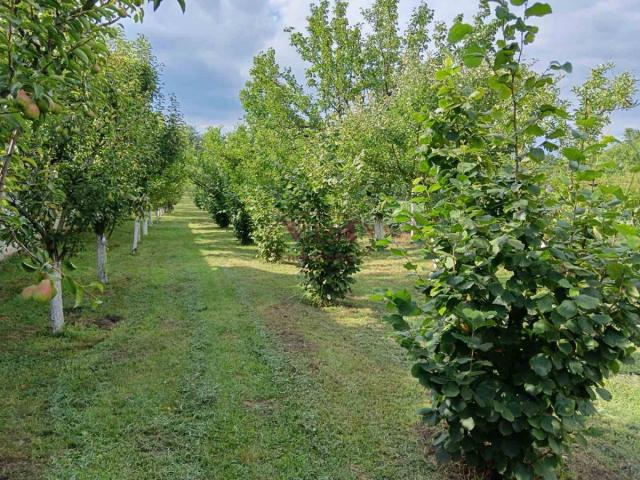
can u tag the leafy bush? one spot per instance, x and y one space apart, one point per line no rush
221 217
271 241
533 299
329 257
242 225
268 232
329 250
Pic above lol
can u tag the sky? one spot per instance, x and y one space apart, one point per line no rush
207 52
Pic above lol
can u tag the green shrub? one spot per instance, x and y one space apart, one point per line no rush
329 257
221 217
268 232
533 299
329 252
271 241
242 225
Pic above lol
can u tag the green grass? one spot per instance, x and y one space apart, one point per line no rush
219 370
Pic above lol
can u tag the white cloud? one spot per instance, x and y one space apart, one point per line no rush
208 51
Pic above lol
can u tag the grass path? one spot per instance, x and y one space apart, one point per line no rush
203 363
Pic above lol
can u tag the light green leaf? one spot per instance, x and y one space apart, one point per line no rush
468 423
459 31
573 154
538 10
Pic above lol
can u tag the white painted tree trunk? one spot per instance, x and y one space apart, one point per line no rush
378 227
145 226
56 311
136 235
150 218
102 258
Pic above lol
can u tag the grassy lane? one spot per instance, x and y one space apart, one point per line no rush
204 363
200 377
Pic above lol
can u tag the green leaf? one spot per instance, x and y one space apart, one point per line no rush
615 339
459 31
573 154
69 265
473 55
450 390
429 416
79 297
468 423
534 130
545 304
545 468
541 365
586 302
536 154
566 66
499 87
81 55
604 394
538 10
568 309
28 267
523 472
397 322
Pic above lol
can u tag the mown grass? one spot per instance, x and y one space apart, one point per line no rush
218 369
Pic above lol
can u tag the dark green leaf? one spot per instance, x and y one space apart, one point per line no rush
541 365
567 309
450 390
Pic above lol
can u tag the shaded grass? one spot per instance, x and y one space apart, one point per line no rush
217 369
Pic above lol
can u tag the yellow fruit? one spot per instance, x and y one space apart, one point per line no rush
23 98
32 112
28 106
44 291
28 292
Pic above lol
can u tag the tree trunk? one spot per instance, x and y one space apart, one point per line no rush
150 218
56 311
378 227
102 258
136 235
145 226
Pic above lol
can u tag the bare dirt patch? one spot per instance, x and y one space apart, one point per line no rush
281 324
584 467
452 470
108 322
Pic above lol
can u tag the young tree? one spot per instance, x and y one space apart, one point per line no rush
47 47
533 300
81 165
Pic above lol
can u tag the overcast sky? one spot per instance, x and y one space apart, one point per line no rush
207 52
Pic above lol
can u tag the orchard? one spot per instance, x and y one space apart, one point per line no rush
415 256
